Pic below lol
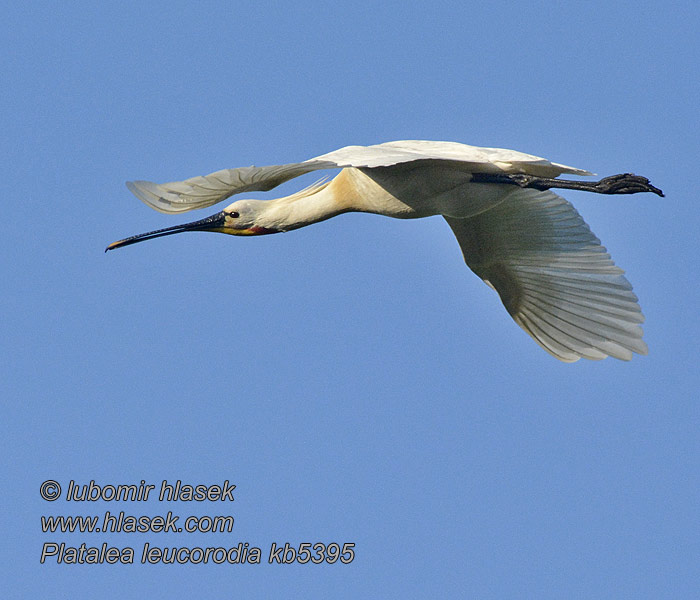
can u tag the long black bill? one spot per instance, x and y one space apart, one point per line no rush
209 224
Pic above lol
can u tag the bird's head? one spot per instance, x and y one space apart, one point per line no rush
243 217
246 217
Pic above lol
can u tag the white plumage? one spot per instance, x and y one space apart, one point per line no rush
207 190
552 273
554 277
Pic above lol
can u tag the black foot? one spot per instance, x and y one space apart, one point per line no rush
626 183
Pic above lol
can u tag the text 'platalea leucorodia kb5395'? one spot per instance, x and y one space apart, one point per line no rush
553 275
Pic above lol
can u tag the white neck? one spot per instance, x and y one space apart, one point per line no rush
303 208
350 191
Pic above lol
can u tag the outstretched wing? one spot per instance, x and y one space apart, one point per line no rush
206 190
554 277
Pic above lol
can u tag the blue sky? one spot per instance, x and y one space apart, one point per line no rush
353 379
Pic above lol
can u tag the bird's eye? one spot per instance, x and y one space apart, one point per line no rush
234 215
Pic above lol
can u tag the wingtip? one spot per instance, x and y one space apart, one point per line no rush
153 195
139 189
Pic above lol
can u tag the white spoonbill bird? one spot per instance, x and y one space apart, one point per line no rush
530 245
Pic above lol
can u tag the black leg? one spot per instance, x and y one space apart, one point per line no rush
625 183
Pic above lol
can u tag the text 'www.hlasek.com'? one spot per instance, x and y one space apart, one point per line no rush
112 522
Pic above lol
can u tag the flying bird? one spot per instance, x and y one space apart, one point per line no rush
530 245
